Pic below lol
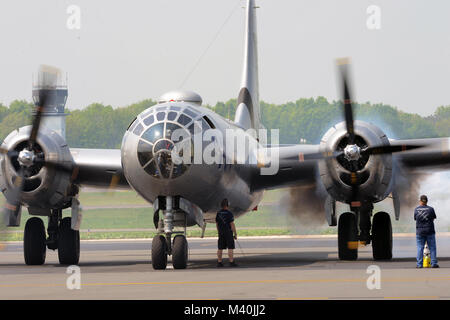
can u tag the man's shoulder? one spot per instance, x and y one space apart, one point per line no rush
421 207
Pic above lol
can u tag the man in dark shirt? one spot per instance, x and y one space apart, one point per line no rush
227 233
424 216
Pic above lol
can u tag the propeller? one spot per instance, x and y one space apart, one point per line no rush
355 153
348 109
9 153
352 152
28 158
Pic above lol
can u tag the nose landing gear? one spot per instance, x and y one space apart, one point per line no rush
159 252
162 245
180 252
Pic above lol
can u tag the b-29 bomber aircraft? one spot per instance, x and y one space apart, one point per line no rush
355 162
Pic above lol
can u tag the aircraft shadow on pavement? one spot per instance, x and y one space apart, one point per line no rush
308 260
270 260
250 260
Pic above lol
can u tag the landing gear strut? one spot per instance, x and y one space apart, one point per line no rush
52 229
162 245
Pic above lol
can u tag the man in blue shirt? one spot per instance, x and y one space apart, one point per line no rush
227 233
424 216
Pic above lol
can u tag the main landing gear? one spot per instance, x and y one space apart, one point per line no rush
382 236
163 246
60 236
355 228
34 248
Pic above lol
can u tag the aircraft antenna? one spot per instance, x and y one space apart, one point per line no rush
209 45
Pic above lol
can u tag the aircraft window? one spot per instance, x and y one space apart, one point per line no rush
144 150
147 112
152 169
205 124
165 163
160 116
209 122
138 130
170 128
148 121
197 128
163 145
161 108
171 116
154 133
190 112
155 152
175 108
184 120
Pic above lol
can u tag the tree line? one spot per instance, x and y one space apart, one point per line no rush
307 119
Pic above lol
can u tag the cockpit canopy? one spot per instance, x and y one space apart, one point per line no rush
161 128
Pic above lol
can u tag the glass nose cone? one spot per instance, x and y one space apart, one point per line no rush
166 133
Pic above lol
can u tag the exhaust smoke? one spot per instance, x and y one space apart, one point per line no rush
305 205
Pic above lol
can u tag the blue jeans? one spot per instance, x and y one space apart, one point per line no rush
431 241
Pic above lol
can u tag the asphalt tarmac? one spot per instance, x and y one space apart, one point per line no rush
269 268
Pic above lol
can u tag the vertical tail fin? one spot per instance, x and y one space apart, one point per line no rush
248 112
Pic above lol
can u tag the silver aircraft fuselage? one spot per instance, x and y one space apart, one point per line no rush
200 183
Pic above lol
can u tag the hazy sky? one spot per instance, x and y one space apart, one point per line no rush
129 50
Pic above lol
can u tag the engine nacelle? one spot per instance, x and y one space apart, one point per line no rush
374 172
45 188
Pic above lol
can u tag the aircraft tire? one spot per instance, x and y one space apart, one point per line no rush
347 237
180 252
159 252
68 243
382 236
34 248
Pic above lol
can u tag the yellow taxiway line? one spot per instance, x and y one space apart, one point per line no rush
286 281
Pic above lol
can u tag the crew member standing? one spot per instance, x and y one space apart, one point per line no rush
227 233
424 216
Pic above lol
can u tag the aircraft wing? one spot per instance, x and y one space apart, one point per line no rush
435 156
294 171
101 168
291 171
